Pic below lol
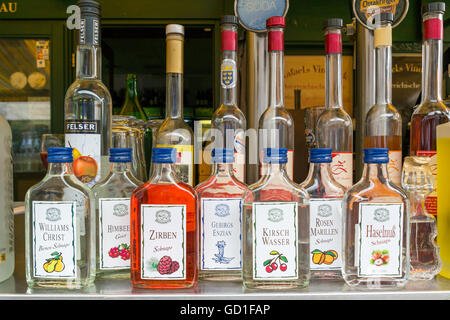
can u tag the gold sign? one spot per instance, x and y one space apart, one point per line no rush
369 7
9 7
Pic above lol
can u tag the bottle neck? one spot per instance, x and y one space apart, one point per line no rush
163 173
383 75
59 169
222 170
228 92
174 95
333 80
432 70
320 172
88 64
120 167
131 91
376 172
276 78
275 170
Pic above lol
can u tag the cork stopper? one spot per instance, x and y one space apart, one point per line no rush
174 48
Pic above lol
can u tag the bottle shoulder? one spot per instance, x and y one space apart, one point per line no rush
174 132
335 116
228 113
278 114
434 107
276 188
95 89
376 192
215 187
385 110
161 191
115 185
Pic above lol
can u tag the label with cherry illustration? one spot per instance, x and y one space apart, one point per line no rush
163 242
275 240
114 233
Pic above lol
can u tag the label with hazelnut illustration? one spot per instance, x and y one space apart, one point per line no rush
221 247
379 240
114 233
163 242
54 239
275 240
325 234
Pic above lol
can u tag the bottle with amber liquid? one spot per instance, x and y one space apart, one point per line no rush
431 112
164 234
131 106
383 127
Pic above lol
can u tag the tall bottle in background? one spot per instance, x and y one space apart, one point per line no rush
276 125
335 126
228 119
383 127
174 132
431 112
88 103
6 202
131 106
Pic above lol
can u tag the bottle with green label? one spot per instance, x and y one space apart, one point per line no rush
131 106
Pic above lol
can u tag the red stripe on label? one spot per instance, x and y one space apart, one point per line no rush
229 40
433 29
276 41
333 43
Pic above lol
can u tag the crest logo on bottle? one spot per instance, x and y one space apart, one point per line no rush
222 210
162 216
275 215
53 214
120 210
228 74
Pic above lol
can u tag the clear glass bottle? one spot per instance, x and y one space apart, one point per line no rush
228 119
164 233
417 181
6 202
334 127
60 228
325 208
383 128
174 132
112 201
220 208
276 125
87 103
131 105
376 228
431 112
276 229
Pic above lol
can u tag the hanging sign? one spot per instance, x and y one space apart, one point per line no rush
365 9
253 14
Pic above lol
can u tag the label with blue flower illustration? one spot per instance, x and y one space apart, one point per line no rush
221 245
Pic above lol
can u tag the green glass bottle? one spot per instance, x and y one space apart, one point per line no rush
131 106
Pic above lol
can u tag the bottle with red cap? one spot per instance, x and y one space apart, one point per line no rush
276 125
228 122
431 112
334 125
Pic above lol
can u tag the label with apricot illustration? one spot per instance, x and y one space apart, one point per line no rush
275 240
325 234
379 240
163 242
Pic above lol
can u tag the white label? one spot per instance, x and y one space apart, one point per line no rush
380 239
228 74
342 168
325 234
114 233
221 247
275 240
54 239
395 167
163 246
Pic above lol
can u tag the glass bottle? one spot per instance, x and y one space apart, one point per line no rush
431 112
174 132
417 181
220 208
164 234
276 125
6 202
383 127
276 229
228 123
325 209
88 103
112 201
335 126
60 227
131 106
376 228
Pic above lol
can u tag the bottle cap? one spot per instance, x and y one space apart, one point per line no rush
229 36
275 155
164 155
222 155
320 155
333 23
89 7
276 22
59 155
333 40
275 37
437 7
175 28
376 155
229 19
120 155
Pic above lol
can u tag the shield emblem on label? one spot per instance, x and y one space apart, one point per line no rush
227 77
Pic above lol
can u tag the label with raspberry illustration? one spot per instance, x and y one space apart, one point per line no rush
221 247
342 168
114 233
325 234
54 239
379 239
275 240
163 246
431 199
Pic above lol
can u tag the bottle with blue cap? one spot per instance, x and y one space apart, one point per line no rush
112 204
60 227
220 209
276 229
325 208
376 228
164 228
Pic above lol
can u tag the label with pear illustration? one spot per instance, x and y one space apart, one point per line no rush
54 239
